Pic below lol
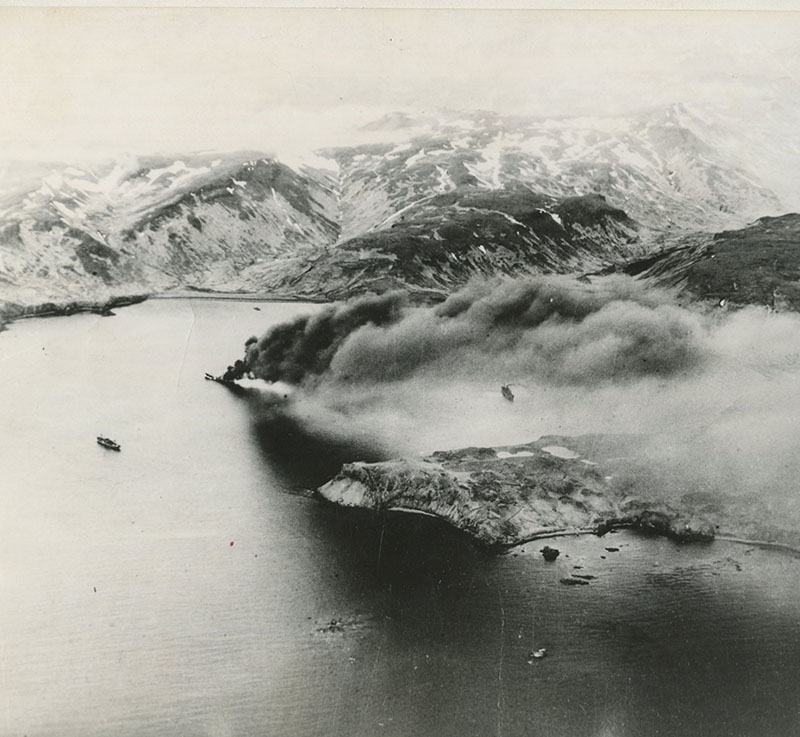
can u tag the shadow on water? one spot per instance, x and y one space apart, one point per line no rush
381 547
301 457
384 547
395 548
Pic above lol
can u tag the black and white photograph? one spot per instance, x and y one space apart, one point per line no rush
399 372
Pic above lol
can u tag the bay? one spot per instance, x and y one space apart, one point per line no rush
190 585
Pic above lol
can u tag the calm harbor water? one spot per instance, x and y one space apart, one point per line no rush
189 586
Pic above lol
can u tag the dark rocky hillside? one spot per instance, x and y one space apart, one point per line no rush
758 264
439 245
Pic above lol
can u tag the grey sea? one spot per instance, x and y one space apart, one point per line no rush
190 585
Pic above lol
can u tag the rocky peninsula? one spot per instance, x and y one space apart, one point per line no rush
509 495
554 486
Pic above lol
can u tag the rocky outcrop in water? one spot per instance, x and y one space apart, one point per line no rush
508 495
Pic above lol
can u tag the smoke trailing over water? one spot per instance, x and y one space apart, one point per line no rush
553 330
304 347
716 391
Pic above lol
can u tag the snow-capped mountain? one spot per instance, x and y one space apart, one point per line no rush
436 246
652 165
153 223
765 142
439 199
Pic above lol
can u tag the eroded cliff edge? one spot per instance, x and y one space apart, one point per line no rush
508 495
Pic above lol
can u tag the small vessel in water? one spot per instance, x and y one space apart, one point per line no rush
219 379
537 655
505 390
230 384
108 443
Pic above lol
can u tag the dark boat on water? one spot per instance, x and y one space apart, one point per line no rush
229 384
219 380
108 443
505 390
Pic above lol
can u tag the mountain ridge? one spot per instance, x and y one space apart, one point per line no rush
456 196
758 264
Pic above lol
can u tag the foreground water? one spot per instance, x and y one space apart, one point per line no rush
188 586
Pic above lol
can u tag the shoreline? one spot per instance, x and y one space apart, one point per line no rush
236 297
549 534
13 311
502 548
501 498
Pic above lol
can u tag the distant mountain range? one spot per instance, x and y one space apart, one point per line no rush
152 224
437 201
654 165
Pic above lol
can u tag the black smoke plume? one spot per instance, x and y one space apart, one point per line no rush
304 347
714 392
554 330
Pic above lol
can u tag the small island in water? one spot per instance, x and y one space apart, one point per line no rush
510 495
554 486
